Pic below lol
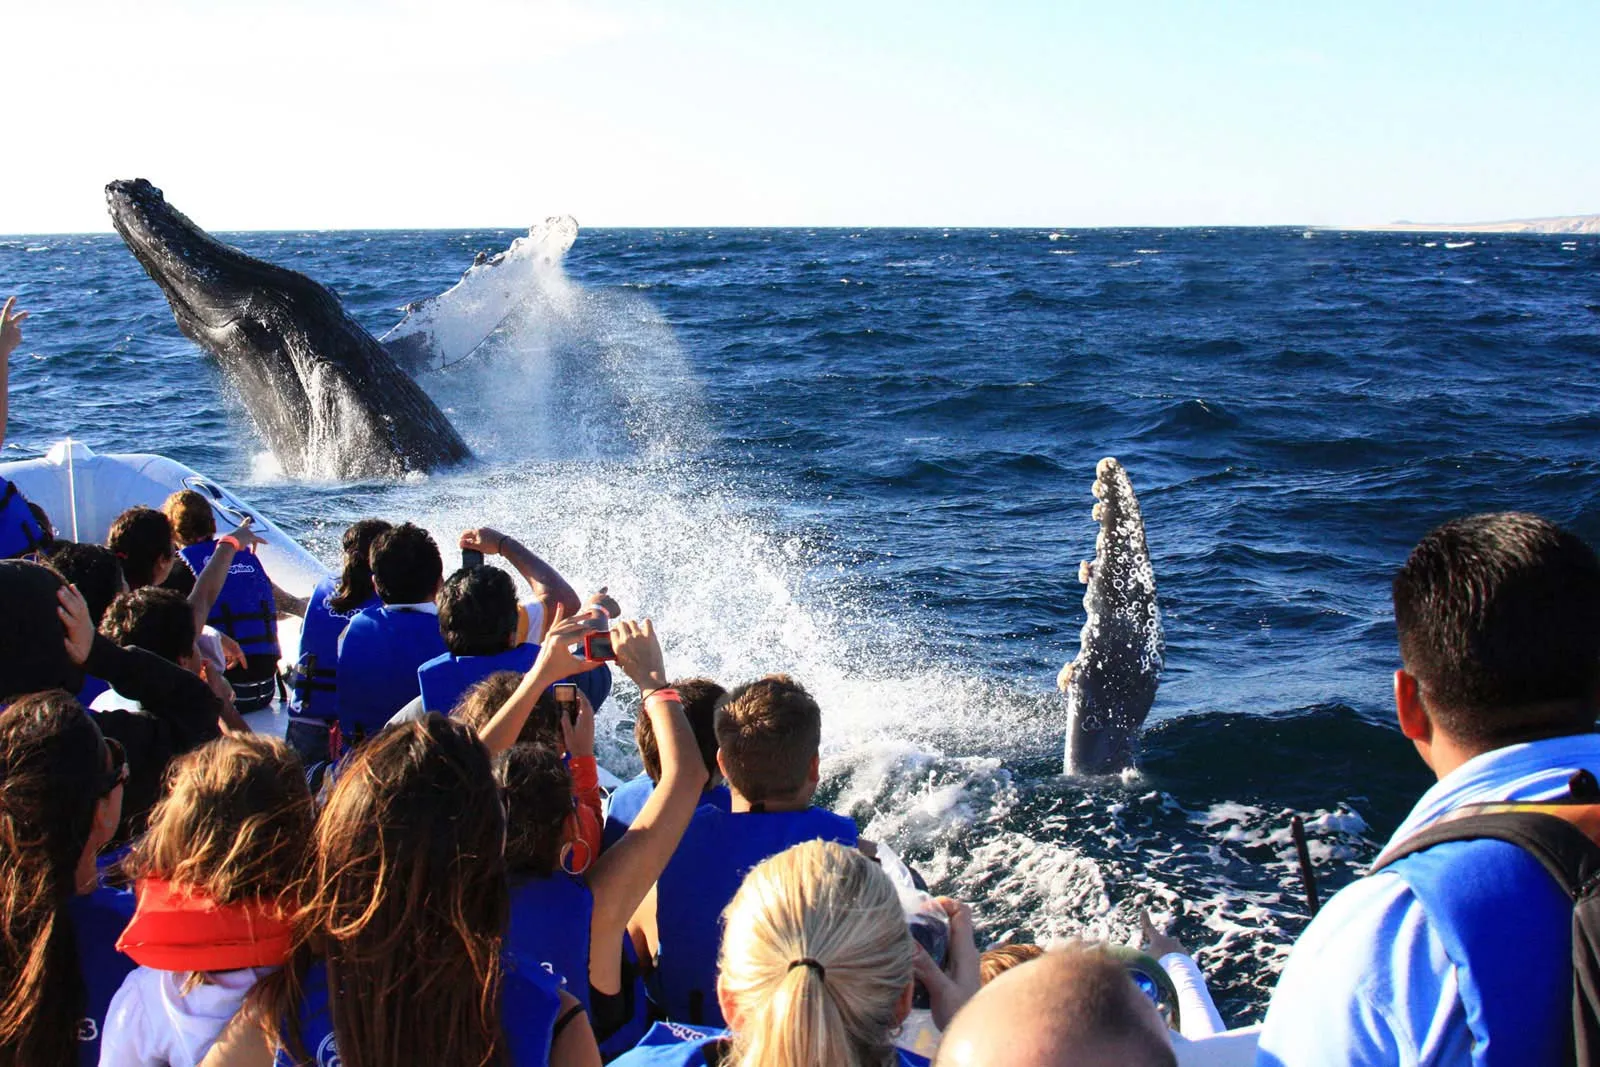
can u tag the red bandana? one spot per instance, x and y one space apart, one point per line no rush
180 928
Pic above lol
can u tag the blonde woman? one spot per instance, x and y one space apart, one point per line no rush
816 968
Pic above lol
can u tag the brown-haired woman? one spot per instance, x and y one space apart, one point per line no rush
60 800
402 927
215 875
576 925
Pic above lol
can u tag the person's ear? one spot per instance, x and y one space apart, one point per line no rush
1409 709
816 768
722 765
902 1006
730 1007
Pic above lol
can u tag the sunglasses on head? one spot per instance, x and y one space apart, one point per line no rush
117 773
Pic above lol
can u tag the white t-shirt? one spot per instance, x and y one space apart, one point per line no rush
151 1023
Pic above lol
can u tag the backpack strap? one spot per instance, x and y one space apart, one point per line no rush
1553 834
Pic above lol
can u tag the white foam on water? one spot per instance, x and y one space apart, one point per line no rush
593 451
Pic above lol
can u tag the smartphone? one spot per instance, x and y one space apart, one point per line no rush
470 558
597 646
567 700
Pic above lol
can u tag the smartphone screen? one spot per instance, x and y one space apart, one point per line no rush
567 700
471 557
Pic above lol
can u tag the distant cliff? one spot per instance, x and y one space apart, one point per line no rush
1554 224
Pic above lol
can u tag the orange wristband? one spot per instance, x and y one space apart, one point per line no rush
665 693
229 539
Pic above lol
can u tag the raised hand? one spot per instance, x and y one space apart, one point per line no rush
245 534
639 653
556 658
73 611
1157 943
485 539
10 328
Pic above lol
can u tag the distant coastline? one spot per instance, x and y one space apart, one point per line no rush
1573 224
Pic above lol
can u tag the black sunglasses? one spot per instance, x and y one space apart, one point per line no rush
117 773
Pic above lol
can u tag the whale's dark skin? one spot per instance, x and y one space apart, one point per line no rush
323 393
1111 683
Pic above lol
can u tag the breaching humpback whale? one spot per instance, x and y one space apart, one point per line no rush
323 393
1111 683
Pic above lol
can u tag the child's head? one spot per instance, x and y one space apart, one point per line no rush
142 539
700 696
768 735
191 517
538 792
482 699
997 961
157 620
236 821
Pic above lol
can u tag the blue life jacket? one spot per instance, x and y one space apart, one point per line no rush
98 919
717 851
628 799
1507 927
445 678
378 660
92 687
245 609
20 532
529 1005
315 678
679 1045
550 929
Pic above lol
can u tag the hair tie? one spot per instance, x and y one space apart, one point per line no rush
807 961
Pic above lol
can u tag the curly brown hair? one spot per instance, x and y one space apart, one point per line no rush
191 517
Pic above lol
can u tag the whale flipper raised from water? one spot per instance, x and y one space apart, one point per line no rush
445 329
322 392
1111 683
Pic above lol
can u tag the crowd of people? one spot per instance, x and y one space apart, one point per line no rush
425 869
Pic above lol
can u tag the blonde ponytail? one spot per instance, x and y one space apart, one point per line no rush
816 958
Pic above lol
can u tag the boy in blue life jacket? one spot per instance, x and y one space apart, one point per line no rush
482 626
700 697
247 606
768 737
1462 954
381 649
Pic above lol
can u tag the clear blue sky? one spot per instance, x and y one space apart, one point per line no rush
349 113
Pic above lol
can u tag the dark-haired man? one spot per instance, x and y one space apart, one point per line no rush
769 733
485 630
1461 954
381 649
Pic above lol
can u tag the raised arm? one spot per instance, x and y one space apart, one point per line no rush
10 338
549 588
208 583
622 876
554 663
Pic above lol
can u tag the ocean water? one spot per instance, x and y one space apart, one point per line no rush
864 458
